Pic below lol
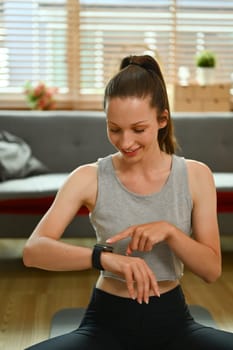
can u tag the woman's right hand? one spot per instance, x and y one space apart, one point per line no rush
140 279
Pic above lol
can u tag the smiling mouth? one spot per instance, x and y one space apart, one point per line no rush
131 152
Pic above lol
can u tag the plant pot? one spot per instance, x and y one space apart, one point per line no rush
205 75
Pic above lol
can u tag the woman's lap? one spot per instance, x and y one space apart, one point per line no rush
196 337
114 323
78 340
199 337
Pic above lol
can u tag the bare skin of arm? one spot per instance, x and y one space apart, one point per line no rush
44 249
200 253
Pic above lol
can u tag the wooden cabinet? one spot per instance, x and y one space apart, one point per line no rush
195 98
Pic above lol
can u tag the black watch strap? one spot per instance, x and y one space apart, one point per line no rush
96 254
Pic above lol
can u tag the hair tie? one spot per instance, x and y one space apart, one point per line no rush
135 64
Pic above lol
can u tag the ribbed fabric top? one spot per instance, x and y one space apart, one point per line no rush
117 208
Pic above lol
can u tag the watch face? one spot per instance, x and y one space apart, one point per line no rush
108 249
104 247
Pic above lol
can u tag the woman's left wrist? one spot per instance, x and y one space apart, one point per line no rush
170 231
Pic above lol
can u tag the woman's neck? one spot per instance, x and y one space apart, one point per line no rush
144 177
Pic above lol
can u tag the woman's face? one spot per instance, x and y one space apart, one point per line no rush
132 126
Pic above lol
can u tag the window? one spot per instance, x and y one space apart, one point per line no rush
33 44
77 45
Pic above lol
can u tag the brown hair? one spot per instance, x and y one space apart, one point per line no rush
141 76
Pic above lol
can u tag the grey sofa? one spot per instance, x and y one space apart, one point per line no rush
63 140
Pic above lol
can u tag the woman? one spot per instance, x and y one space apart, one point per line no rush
144 202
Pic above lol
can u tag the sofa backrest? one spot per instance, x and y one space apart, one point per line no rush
63 140
206 137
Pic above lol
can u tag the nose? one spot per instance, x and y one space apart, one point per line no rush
126 140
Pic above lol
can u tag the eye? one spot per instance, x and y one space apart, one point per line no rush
115 131
138 131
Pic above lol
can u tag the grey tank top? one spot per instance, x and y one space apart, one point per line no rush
117 208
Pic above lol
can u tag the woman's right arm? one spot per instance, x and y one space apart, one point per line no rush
44 249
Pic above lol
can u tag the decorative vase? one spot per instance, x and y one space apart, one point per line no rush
205 75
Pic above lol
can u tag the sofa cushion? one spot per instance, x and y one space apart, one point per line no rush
223 181
32 187
16 159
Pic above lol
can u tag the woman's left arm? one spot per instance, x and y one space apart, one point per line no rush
200 253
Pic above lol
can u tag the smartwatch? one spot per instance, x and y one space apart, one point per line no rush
96 254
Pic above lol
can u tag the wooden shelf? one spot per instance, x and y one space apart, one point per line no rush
196 98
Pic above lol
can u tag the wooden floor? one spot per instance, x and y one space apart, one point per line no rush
30 297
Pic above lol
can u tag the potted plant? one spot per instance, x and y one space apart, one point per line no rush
205 63
40 97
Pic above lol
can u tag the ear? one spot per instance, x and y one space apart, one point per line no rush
163 119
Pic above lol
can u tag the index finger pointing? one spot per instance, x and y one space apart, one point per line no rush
119 236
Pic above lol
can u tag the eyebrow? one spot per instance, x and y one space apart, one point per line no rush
134 124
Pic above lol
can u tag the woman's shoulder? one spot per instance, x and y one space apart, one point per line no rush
200 175
89 171
84 171
192 164
198 167
81 179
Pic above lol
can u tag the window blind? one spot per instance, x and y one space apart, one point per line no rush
205 25
112 30
33 42
77 45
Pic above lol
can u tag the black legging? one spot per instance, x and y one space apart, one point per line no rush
116 323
